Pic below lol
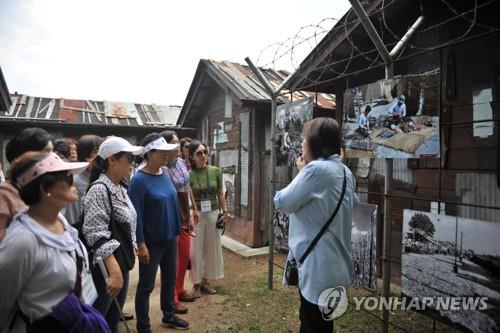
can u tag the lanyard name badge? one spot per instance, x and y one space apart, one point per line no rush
205 202
89 292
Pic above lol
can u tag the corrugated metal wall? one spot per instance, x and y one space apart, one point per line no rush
400 169
479 189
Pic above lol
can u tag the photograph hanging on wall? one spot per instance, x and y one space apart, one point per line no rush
230 192
364 246
280 223
395 118
453 257
363 240
290 120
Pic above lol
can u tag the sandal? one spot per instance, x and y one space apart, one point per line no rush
206 289
196 292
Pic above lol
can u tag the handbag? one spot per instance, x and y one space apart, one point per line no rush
124 254
291 267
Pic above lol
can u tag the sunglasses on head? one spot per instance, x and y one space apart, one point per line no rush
202 152
64 176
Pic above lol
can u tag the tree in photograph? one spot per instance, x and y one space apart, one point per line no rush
422 222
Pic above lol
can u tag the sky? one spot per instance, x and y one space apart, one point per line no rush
147 51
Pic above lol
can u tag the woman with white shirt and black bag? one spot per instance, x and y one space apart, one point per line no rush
320 201
109 224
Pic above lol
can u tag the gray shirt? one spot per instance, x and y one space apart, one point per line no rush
38 267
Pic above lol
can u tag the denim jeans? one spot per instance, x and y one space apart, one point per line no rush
105 304
163 254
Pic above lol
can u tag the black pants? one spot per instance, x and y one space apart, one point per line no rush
104 304
311 320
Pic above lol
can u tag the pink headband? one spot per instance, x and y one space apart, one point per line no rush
51 163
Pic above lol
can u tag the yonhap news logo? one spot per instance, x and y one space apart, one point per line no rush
332 303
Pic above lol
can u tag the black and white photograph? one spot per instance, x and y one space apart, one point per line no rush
280 222
456 257
230 192
396 118
290 120
364 246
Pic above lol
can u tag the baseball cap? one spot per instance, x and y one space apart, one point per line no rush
114 144
160 144
51 163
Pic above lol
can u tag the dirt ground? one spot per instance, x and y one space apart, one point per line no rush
235 305
243 303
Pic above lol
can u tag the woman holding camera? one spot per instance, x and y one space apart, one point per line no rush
322 184
206 248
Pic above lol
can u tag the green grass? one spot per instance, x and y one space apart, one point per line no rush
264 310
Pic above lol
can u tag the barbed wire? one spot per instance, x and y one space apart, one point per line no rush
341 66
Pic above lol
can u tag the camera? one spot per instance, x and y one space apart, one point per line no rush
220 221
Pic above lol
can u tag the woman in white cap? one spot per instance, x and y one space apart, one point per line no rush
158 225
109 224
43 264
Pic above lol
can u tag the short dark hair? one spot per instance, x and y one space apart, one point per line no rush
323 137
185 140
87 145
61 147
192 148
148 139
29 139
168 135
31 192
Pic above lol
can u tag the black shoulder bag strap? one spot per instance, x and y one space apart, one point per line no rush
327 224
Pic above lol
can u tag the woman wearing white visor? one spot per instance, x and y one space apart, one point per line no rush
158 225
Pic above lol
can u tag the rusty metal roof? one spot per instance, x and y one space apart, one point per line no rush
243 83
89 112
4 93
246 84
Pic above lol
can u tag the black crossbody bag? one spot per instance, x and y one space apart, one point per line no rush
124 254
291 268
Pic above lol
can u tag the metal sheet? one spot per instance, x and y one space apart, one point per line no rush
245 129
244 178
228 158
479 189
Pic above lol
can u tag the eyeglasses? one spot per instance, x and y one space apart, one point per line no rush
130 158
64 177
202 152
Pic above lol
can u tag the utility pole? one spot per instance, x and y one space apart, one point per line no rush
274 101
389 73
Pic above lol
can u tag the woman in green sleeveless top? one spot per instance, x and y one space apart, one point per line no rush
206 250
